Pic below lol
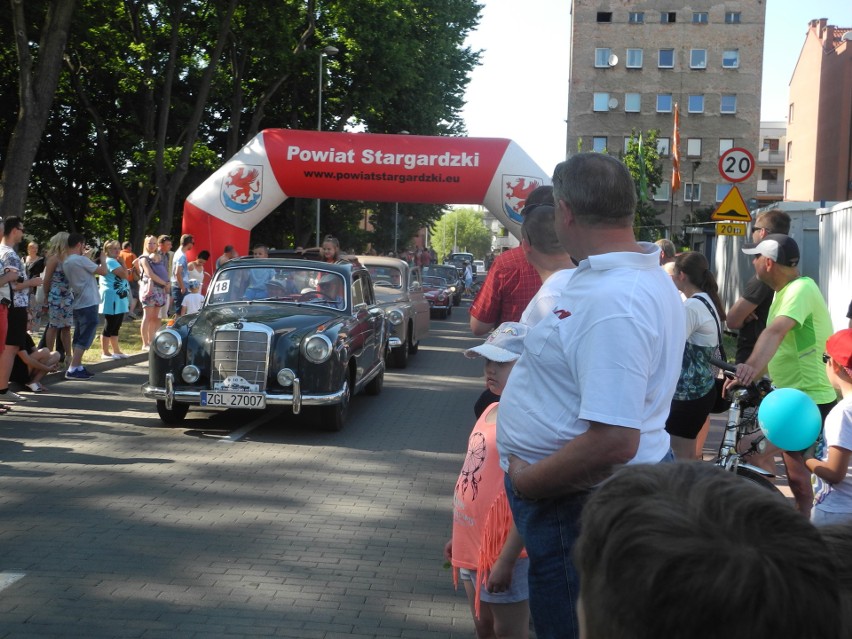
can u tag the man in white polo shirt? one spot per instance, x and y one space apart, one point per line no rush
593 387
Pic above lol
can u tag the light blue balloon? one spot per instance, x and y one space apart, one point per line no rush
789 419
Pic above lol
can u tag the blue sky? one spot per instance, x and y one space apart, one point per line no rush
520 91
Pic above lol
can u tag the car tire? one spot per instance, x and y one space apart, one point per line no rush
399 356
413 344
173 416
332 418
375 386
444 313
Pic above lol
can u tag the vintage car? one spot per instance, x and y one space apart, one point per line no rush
400 293
439 296
448 272
273 332
458 260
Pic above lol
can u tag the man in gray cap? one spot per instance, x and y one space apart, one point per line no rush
792 344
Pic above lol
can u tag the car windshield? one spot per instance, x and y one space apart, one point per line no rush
439 271
434 281
279 284
385 276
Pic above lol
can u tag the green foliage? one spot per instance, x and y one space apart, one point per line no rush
461 229
646 224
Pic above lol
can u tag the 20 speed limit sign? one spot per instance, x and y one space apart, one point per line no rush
736 165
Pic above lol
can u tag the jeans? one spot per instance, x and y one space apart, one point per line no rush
85 325
177 299
549 529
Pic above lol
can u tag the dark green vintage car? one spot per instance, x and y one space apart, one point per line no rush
273 332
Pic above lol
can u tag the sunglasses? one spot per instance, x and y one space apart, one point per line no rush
826 358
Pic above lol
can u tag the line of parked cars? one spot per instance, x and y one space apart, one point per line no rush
296 332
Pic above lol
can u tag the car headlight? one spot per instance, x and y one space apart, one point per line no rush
190 374
395 317
317 348
286 377
167 343
452 289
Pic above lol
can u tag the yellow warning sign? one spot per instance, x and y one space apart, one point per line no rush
733 207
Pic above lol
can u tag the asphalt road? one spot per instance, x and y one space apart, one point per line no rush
236 524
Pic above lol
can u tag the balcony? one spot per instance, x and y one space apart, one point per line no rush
770 157
770 187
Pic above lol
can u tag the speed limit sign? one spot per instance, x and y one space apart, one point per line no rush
736 165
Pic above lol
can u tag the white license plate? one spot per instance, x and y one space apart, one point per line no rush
233 400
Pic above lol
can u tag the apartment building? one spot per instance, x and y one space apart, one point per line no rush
818 152
770 163
633 60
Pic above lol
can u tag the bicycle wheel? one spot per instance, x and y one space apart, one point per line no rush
756 478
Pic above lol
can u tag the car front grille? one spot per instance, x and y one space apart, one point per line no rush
244 353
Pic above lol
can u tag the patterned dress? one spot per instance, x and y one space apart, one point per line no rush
60 299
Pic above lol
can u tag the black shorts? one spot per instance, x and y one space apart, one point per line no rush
17 331
686 417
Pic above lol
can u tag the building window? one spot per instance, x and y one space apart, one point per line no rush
599 144
627 144
769 174
699 17
722 191
728 104
665 59
636 17
732 17
662 192
634 58
770 144
601 102
695 104
663 147
789 151
790 114
604 16
664 103
786 189
691 192
633 102
698 59
693 147
731 59
602 58
725 144
668 17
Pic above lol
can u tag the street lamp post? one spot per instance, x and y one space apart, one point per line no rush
329 50
396 229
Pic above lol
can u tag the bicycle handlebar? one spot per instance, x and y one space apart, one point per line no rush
718 363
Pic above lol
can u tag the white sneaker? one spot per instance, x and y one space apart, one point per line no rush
107 356
12 397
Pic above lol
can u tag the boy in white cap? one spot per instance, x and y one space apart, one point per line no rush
486 550
192 301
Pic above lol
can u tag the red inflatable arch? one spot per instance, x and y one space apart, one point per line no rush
282 163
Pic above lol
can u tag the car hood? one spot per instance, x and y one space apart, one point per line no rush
390 295
278 316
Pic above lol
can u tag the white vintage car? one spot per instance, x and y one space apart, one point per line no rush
399 292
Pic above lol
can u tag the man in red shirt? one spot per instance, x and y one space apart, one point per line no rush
511 282
128 258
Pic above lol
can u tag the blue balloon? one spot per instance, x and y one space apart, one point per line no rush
789 419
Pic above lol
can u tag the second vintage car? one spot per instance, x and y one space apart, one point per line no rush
448 272
273 332
439 296
400 293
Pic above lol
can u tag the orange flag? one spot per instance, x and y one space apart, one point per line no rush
676 151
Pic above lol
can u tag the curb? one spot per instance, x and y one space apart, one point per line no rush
52 379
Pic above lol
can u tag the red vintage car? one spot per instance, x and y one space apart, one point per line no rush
439 296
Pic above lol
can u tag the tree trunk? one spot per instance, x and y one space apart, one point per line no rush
35 94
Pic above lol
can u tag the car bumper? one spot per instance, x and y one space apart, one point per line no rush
439 305
395 342
170 395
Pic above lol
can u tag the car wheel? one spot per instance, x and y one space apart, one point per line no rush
375 385
174 415
413 344
333 417
399 355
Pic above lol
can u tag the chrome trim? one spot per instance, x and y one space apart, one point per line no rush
395 342
297 396
241 348
272 399
170 391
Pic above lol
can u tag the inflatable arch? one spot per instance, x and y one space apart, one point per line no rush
282 163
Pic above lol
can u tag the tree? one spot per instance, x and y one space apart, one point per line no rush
463 230
646 226
38 73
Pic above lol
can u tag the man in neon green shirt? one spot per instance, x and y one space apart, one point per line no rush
792 344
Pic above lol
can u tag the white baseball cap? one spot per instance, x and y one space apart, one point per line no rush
505 344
